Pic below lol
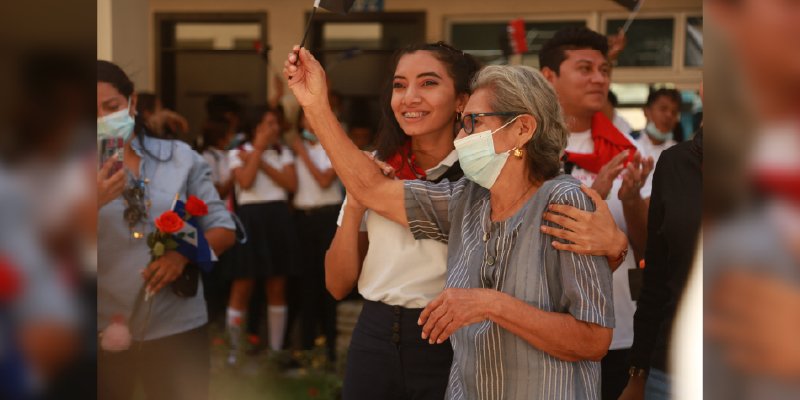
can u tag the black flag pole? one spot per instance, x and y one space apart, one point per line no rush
308 24
338 6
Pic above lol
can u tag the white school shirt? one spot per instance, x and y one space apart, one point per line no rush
624 307
398 269
219 162
264 189
309 194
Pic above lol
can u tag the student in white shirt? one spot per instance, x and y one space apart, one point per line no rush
217 134
662 111
317 202
265 174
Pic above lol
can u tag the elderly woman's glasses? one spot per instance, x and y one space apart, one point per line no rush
468 120
136 205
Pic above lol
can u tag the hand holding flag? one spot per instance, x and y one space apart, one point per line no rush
338 6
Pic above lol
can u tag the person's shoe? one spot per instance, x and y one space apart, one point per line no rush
232 358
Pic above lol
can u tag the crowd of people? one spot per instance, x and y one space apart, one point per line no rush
499 230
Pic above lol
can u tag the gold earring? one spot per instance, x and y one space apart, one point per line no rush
517 152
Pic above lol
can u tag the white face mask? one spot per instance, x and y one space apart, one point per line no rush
656 134
478 159
118 124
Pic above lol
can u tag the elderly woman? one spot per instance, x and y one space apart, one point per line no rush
527 320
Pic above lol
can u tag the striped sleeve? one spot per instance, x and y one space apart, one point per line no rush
585 280
427 207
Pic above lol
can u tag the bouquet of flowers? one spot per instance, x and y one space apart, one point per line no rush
171 227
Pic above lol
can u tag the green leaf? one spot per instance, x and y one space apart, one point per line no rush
171 244
158 249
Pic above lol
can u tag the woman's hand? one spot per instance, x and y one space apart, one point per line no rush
109 187
306 79
163 271
297 147
386 169
262 138
453 309
591 233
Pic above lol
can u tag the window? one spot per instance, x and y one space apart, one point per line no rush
488 41
693 56
650 42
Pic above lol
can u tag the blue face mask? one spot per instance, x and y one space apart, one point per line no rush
480 163
118 124
309 136
656 134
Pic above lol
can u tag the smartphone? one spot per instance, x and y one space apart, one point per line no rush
108 147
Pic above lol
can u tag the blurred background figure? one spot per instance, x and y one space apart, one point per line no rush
316 203
164 123
48 270
264 173
752 201
217 137
610 111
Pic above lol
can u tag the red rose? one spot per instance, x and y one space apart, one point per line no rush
169 222
196 207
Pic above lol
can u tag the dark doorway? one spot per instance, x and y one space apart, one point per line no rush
199 55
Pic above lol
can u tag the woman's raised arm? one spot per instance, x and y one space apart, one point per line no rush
362 178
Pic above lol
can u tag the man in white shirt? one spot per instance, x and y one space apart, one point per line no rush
575 62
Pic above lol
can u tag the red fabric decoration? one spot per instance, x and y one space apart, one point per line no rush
608 142
404 163
10 281
780 183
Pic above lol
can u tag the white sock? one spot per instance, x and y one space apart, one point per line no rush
276 315
234 317
234 326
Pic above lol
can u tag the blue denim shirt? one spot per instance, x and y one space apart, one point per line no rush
171 167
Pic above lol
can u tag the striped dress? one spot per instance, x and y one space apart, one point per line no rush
514 257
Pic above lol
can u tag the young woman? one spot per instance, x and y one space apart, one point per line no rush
170 352
397 275
264 173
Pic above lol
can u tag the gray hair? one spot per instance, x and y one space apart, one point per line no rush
522 89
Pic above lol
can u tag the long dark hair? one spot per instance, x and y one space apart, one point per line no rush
461 67
112 74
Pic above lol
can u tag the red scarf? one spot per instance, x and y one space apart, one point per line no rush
404 163
784 183
608 142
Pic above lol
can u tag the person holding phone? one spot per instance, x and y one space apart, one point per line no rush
169 352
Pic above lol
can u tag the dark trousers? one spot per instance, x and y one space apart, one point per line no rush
316 229
389 360
614 373
171 368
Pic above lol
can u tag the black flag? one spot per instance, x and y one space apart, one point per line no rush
629 4
337 6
